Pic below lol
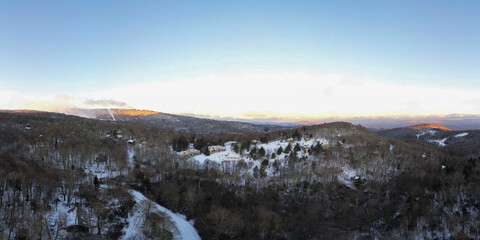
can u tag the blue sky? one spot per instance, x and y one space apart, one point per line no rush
76 48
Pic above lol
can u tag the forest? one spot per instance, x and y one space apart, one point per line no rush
65 177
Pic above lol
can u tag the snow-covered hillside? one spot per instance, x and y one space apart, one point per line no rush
229 157
245 165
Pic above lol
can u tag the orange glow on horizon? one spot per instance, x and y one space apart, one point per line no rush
422 126
133 112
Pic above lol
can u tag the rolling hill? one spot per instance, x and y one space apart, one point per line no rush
175 122
460 143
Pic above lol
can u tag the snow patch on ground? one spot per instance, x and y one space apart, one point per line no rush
430 132
131 154
440 143
135 223
99 169
347 177
420 134
461 135
61 216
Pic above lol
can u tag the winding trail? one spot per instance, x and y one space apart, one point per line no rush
185 229
111 114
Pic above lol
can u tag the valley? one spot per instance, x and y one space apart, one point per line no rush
100 179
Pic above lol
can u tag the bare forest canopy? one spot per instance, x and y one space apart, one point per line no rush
68 177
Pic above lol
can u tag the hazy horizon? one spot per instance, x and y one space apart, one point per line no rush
452 121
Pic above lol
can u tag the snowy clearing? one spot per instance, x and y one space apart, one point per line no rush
430 132
461 135
346 177
229 158
441 142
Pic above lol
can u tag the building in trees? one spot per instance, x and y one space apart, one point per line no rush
215 149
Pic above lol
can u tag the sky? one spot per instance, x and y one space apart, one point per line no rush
272 60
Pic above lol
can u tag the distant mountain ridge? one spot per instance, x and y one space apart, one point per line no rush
176 122
133 112
465 143
424 126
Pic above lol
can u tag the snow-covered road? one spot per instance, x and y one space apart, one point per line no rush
185 229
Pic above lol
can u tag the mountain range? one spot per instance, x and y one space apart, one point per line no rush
177 122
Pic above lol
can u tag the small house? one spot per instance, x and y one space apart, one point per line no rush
119 134
189 153
215 149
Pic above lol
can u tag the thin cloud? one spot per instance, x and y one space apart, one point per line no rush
107 103
292 96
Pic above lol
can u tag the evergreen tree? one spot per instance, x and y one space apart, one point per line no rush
296 135
263 168
242 147
253 153
261 152
235 148
296 148
256 172
202 146
205 151
318 148
180 144
288 148
276 165
95 182
279 150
